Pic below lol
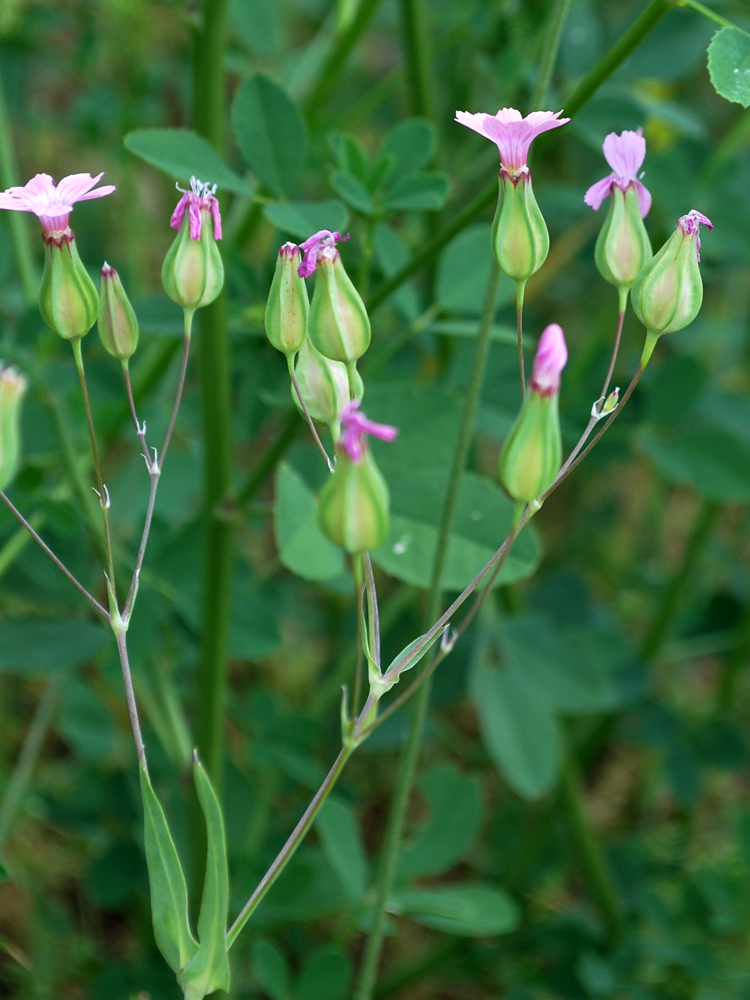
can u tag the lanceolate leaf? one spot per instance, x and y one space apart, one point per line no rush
208 970
169 904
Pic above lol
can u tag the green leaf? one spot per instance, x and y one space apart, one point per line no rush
350 154
169 902
342 845
729 65
353 191
303 218
411 143
715 462
41 645
464 270
484 517
85 724
326 975
208 969
271 970
270 133
519 730
303 548
469 909
182 154
455 803
417 192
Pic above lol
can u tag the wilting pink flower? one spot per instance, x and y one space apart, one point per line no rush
200 197
320 244
512 133
355 426
691 223
53 204
625 154
551 358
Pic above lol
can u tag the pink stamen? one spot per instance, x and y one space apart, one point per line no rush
201 198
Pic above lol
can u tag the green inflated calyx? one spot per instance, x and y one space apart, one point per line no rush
67 296
668 292
520 239
118 324
12 390
193 272
354 505
288 306
338 325
323 384
623 247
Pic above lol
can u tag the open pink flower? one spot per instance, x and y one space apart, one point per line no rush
625 153
512 133
320 244
691 223
551 358
355 426
200 197
53 204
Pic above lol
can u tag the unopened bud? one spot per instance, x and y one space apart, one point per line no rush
67 296
118 324
611 401
354 505
323 384
338 324
668 292
12 389
193 272
519 233
532 453
623 246
288 306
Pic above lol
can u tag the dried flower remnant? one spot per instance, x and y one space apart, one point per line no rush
193 271
354 430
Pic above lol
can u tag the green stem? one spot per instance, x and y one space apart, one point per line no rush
30 753
707 12
592 860
419 59
287 851
606 66
410 756
208 117
669 606
520 288
336 59
19 233
549 51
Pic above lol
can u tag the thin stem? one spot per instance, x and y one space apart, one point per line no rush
419 59
121 637
336 59
287 851
373 615
550 49
101 488
308 418
30 753
188 316
707 12
19 232
520 287
48 551
139 430
410 756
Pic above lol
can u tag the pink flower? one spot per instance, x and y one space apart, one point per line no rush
201 197
691 223
355 426
53 204
625 154
512 133
320 244
551 358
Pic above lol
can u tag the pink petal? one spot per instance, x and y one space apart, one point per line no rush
598 192
217 218
625 153
508 115
644 198
196 222
475 122
551 358
176 220
74 188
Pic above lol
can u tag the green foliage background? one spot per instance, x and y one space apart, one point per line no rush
581 827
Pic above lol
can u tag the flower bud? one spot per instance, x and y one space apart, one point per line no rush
288 306
338 324
532 453
668 292
623 246
118 324
12 389
519 233
193 272
67 296
354 504
323 384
